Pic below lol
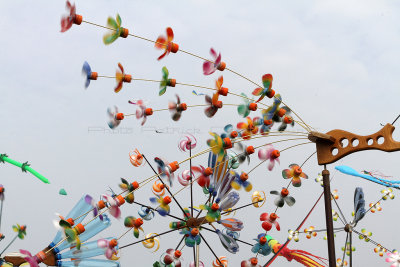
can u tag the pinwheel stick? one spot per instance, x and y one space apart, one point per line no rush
9 244
24 166
241 207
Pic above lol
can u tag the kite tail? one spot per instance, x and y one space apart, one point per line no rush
303 257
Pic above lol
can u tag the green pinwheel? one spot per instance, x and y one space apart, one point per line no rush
115 30
20 230
165 81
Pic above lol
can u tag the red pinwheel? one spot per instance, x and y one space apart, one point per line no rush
221 90
203 177
110 246
114 204
214 105
176 108
248 128
136 158
121 78
283 197
267 90
142 111
165 43
269 220
171 258
268 152
210 67
114 118
72 18
187 143
295 172
32 260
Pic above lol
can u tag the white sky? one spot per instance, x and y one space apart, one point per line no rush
334 62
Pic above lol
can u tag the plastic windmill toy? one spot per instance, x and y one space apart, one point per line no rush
215 175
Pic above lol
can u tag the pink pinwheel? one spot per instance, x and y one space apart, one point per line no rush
72 18
295 172
393 258
96 208
203 179
142 111
184 177
32 260
253 262
268 152
187 143
109 245
114 205
210 67
269 220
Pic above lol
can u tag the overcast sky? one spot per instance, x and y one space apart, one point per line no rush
334 62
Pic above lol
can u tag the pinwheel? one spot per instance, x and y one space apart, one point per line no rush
115 31
121 78
166 169
347 249
388 192
335 194
142 111
365 235
221 262
293 234
32 260
163 209
213 212
380 250
146 213
110 247
203 177
269 220
2 236
170 258
271 113
218 145
256 198
90 75
245 108
287 120
335 215
375 207
177 108
232 224
241 181
310 232
233 234
20 230
283 197
71 18
135 224
187 143
151 242
261 247
184 177
229 201
192 237
393 258
114 118
218 85
96 206
268 152
229 132
158 188
130 187
165 43
294 173
253 262
165 81
114 204
319 179
359 205
244 152
210 67
233 161
248 128
267 90
72 234
340 263
136 158
228 242
214 105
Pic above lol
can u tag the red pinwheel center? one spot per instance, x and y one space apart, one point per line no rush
223 91
250 150
135 185
215 207
168 259
148 111
119 116
227 143
288 119
70 221
101 204
281 112
219 104
275 154
284 192
167 200
138 222
23 227
273 216
113 243
254 261
234 134
267 122
244 176
173 166
194 232
1 189
297 171
182 107
253 106
263 240
208 171
178 253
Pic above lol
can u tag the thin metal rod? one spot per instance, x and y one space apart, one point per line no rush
167 232
215 255
241 207
180 242
1 212
9 244
241 241
344 221
351 251
194 255
166 187
344 251
328 218
191 178
396 119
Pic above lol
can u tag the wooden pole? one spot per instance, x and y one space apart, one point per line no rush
329 219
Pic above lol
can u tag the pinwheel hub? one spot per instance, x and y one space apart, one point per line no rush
348 228
196 222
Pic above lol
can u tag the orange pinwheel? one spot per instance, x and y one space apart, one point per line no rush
165 43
